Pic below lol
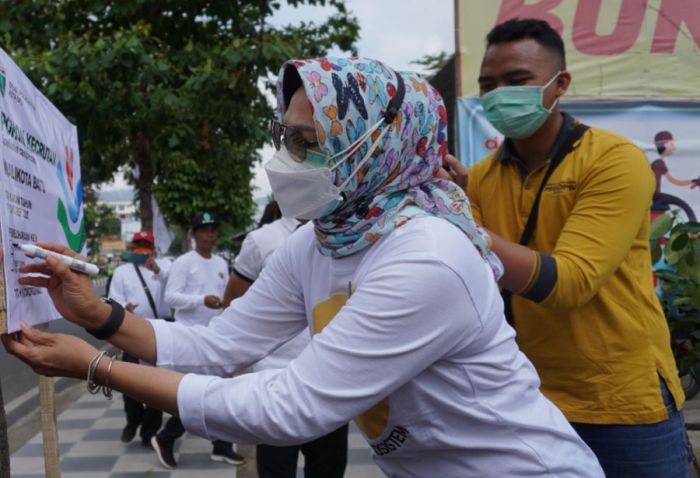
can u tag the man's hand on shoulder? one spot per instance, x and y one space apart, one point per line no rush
457 173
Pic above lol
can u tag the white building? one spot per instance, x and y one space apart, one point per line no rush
123 203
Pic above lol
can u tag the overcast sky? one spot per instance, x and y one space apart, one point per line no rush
396 32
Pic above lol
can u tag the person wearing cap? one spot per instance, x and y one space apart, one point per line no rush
196 288
139 284
195 291
391 276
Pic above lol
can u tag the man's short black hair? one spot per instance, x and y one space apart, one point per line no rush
520 29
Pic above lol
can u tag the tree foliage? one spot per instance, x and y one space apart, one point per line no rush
433 63
100 222
169 88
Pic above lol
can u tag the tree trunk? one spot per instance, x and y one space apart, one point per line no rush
141 152
4 443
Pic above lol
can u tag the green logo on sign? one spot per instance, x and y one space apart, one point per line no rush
2 82
207 216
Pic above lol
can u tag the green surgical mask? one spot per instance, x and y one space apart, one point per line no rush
517 111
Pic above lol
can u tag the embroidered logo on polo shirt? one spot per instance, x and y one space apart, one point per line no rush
560 187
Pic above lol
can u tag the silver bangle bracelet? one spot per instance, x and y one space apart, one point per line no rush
106 389
92 386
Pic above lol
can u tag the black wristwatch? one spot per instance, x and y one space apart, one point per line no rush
114 321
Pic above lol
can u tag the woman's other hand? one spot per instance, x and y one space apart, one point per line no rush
457 172
52 355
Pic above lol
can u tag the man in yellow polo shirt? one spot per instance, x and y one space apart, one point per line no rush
583 302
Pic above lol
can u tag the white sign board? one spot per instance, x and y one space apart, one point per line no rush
40 187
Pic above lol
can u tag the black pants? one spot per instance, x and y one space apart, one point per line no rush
173 430
138 414
324 457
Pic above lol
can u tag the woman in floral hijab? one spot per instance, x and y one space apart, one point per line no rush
349 99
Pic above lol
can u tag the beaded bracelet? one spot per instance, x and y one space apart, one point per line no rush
92 386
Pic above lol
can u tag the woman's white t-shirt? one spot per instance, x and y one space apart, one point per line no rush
410 341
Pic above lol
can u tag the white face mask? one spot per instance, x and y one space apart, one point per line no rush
305 192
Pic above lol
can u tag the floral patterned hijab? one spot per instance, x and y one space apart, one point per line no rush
349 96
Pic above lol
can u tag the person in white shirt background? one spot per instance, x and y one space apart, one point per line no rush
196 286
195 291
131 284
326 456
393 277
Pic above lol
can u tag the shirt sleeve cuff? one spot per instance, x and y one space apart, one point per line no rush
164 343
190 403
243 276
543 279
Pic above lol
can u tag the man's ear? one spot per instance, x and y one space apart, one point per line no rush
563 82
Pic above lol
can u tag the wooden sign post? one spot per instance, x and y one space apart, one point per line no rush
49 429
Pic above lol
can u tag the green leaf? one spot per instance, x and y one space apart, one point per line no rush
679 242
691 227
656 252
690 256
660 226
173 141
672 256
696 300
682 301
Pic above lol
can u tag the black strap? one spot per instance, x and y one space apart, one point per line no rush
395 104
114 321
566 147
151 302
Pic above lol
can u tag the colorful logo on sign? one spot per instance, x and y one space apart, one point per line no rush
69 207
3 82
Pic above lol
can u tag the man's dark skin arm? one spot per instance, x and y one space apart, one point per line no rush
235 288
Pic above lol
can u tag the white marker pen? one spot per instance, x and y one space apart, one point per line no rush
75 264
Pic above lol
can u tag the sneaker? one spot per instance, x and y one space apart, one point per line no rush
227 456
164 452
128 433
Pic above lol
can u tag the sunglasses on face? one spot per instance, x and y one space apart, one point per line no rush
297 139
